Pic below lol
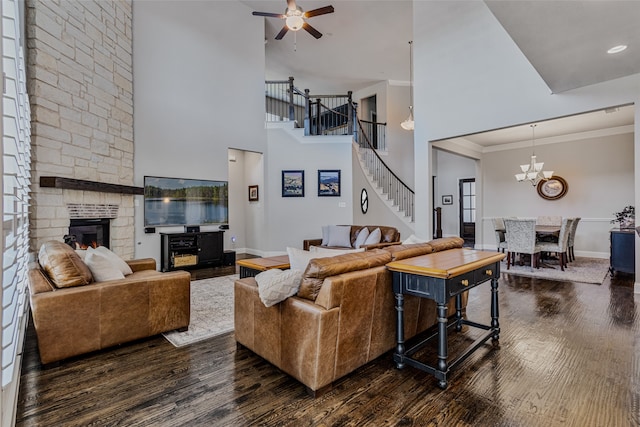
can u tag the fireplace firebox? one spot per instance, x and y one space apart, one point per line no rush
90 231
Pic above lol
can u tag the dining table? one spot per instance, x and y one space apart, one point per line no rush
546 232
543 230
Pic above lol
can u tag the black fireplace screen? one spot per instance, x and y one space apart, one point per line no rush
90 232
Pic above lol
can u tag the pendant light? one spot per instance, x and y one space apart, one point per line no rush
408 124
532 172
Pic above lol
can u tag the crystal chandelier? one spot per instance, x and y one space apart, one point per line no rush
533 172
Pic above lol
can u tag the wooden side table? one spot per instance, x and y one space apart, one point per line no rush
250 267
441 276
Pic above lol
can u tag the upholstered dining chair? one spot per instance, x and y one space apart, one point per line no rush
560 247
498 227
521 239
549 220
572 238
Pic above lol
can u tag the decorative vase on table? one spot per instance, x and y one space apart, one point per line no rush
625 218
628 223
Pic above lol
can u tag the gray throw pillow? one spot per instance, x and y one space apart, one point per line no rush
340 235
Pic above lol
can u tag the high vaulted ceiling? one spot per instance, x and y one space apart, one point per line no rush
366 41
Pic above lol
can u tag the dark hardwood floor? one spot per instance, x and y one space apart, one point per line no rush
569 354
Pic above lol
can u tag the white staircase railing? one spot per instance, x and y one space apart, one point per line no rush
400 195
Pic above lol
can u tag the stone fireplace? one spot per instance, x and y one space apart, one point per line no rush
81 96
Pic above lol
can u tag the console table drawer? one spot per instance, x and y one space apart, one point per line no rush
460 283
487 273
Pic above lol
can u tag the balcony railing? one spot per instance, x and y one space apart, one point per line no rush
337 115
318 114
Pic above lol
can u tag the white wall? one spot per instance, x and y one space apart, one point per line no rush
197 92
450 169
481 81
600 176
379 212
393 107
290 220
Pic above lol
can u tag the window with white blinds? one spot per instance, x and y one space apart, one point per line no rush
16 177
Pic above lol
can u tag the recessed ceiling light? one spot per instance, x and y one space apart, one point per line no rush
617 49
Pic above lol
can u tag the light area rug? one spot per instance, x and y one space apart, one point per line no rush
584 270
211 311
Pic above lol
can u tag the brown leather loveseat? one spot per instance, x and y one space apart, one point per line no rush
342 317
390 236
73 314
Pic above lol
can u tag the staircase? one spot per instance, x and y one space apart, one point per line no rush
395 193
337 115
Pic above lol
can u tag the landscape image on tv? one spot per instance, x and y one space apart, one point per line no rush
178 201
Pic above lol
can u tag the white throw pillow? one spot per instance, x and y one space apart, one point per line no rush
299 259
413 239
277 285
81 253
361 237
325 235
117 262
101 267
333 252
374 237
339 235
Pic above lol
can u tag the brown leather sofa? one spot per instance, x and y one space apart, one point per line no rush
86 316
390 236
342 317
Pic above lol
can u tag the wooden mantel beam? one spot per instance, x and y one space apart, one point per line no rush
81 184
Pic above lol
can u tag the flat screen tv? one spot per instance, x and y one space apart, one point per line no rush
178 201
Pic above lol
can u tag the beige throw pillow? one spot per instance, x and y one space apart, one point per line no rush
299 259
276 285
101 267
115 260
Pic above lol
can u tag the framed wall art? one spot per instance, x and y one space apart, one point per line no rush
447 200
293 183
253 193
328 183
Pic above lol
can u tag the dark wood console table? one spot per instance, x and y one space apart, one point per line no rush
441 276
191 250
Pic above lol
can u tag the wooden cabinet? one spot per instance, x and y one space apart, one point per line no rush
191 250
623 252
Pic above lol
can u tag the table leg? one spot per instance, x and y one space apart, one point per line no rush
495 325
442 345
400 330
458 312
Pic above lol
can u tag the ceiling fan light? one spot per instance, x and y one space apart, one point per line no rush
294 22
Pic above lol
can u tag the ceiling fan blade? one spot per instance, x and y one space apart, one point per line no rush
291 5
282 32
268 14
315 33
319 11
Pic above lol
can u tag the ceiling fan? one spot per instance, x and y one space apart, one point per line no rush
296 19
